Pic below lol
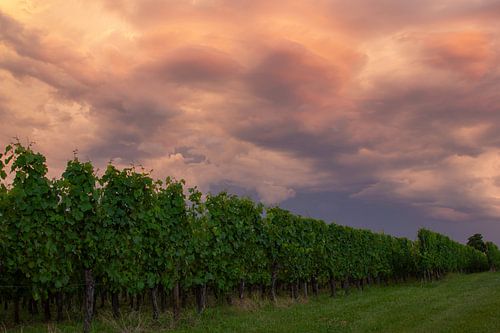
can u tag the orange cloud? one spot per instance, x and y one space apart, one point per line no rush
470 53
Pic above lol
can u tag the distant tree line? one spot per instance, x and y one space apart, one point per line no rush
73 241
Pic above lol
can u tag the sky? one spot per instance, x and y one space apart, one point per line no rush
382 115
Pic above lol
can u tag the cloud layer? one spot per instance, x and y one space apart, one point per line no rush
400 104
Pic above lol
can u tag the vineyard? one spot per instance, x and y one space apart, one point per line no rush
124 236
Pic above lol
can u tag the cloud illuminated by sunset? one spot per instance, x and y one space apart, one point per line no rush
389 100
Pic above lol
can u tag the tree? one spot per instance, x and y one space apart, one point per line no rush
476 241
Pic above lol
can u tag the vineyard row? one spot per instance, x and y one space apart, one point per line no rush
70 239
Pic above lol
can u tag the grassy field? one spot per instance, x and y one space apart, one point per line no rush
458 303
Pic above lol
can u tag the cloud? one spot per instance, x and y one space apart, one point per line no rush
397 102
293 77
24 41
189 155
470 53
393 16
273 184
192 65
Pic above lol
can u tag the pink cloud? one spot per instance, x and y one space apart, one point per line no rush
397 101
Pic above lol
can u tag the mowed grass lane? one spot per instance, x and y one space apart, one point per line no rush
458 303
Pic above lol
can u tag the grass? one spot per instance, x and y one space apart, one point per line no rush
458 303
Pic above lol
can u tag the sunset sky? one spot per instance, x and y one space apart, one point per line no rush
376 114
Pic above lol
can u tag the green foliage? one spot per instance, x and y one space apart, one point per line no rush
3 225
33 228
126 207
493 255
166 236
233 225
79 205
198 248
438 254
280 247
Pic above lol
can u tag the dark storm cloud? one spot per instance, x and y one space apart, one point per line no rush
190 155
284 134
432 111
292 77
127 121
393 218
194 65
